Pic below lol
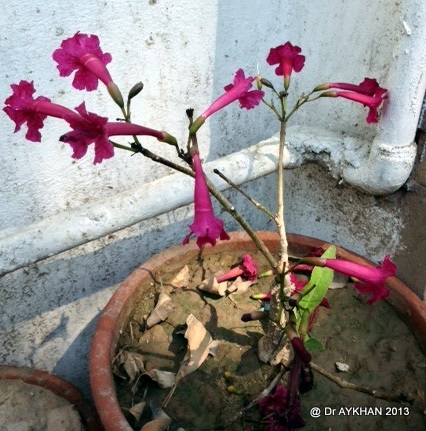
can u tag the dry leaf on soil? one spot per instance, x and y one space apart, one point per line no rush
200 345
161 311
182 278
210 285
165 379
157 425
239 286
137 410
132 363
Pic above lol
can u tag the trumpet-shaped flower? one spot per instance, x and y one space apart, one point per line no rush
369 93
206 227
90 128
239 90
82 53
370 280
288 58
369 86
247 268
21 107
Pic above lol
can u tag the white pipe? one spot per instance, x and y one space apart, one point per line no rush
20 247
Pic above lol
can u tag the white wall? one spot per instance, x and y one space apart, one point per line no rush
185 52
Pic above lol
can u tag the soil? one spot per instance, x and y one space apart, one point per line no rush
380 350
25 407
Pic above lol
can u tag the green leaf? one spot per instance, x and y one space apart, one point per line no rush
319 283
315 290
312 343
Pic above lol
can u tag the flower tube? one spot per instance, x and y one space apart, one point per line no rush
371 280
21 107
238 90
90 128
82 53
206 227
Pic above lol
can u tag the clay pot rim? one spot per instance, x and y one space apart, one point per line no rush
405 301
58 386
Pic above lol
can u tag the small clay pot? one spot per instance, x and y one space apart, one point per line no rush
57 386
116 313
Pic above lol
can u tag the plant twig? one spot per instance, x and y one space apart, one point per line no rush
238 189
228 207
401 398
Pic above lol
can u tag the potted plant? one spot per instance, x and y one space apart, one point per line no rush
56 402
291 303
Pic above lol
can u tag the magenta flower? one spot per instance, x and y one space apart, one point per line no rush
82 53
371 280
247 268
238 90
21 107
369 86
369 93
91 128
281 413
288 58
206 227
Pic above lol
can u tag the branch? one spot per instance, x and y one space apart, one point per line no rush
401 398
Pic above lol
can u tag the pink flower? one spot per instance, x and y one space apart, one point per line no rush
368 92
248 268
371 280
300 349
206 227
238 90
369 86
21 107
281 412
91 128
288 58
83 54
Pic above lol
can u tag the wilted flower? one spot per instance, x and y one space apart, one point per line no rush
280 414
248 268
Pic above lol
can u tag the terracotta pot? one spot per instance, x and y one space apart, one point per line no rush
116 313
57 386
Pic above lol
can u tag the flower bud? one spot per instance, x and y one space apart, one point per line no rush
322 87
115 93
169 139
135 90
255 315
234 390
266 83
